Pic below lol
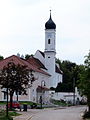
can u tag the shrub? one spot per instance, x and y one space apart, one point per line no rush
10 114
58 102
4 117
86 114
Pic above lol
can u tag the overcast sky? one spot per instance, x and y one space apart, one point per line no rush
22 27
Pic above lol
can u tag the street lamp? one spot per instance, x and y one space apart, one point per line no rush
42 84
7 104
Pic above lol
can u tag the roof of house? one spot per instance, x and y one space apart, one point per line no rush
17 60
58 70
42 53
36 62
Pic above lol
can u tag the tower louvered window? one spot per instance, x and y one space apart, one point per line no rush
48 41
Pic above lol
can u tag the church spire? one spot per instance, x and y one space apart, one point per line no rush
50 24
50 14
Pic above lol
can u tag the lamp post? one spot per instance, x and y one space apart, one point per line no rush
7 104
42 91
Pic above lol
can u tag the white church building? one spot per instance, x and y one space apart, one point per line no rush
45 69
49 55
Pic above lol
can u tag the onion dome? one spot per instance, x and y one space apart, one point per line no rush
50 24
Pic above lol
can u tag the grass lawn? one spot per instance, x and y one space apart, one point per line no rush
21 102
2 103
58 102
10 114
26 102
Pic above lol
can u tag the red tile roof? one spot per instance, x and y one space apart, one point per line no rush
17 60
36 62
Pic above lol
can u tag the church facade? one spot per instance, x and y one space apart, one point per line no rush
49 55
46 71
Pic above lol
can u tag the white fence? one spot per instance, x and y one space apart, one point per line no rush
66 96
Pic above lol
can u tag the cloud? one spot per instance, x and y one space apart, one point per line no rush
22 24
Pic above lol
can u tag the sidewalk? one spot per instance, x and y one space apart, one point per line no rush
27 115
24 116
65 111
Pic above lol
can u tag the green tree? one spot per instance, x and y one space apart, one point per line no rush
84 82
15 78
27 56
71 73
1 57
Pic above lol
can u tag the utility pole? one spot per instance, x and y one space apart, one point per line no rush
41 101
73 91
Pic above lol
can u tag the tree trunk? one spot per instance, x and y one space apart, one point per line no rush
11 99
17 95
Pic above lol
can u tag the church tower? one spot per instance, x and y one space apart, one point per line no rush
50 48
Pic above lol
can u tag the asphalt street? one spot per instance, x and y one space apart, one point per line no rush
69 113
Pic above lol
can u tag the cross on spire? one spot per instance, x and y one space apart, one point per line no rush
50 14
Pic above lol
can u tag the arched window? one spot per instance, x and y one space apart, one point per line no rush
48 41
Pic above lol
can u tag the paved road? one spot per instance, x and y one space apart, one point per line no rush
70 113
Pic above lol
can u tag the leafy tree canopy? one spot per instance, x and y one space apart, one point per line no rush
15 78
71 72
27 56
1 57
84 82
